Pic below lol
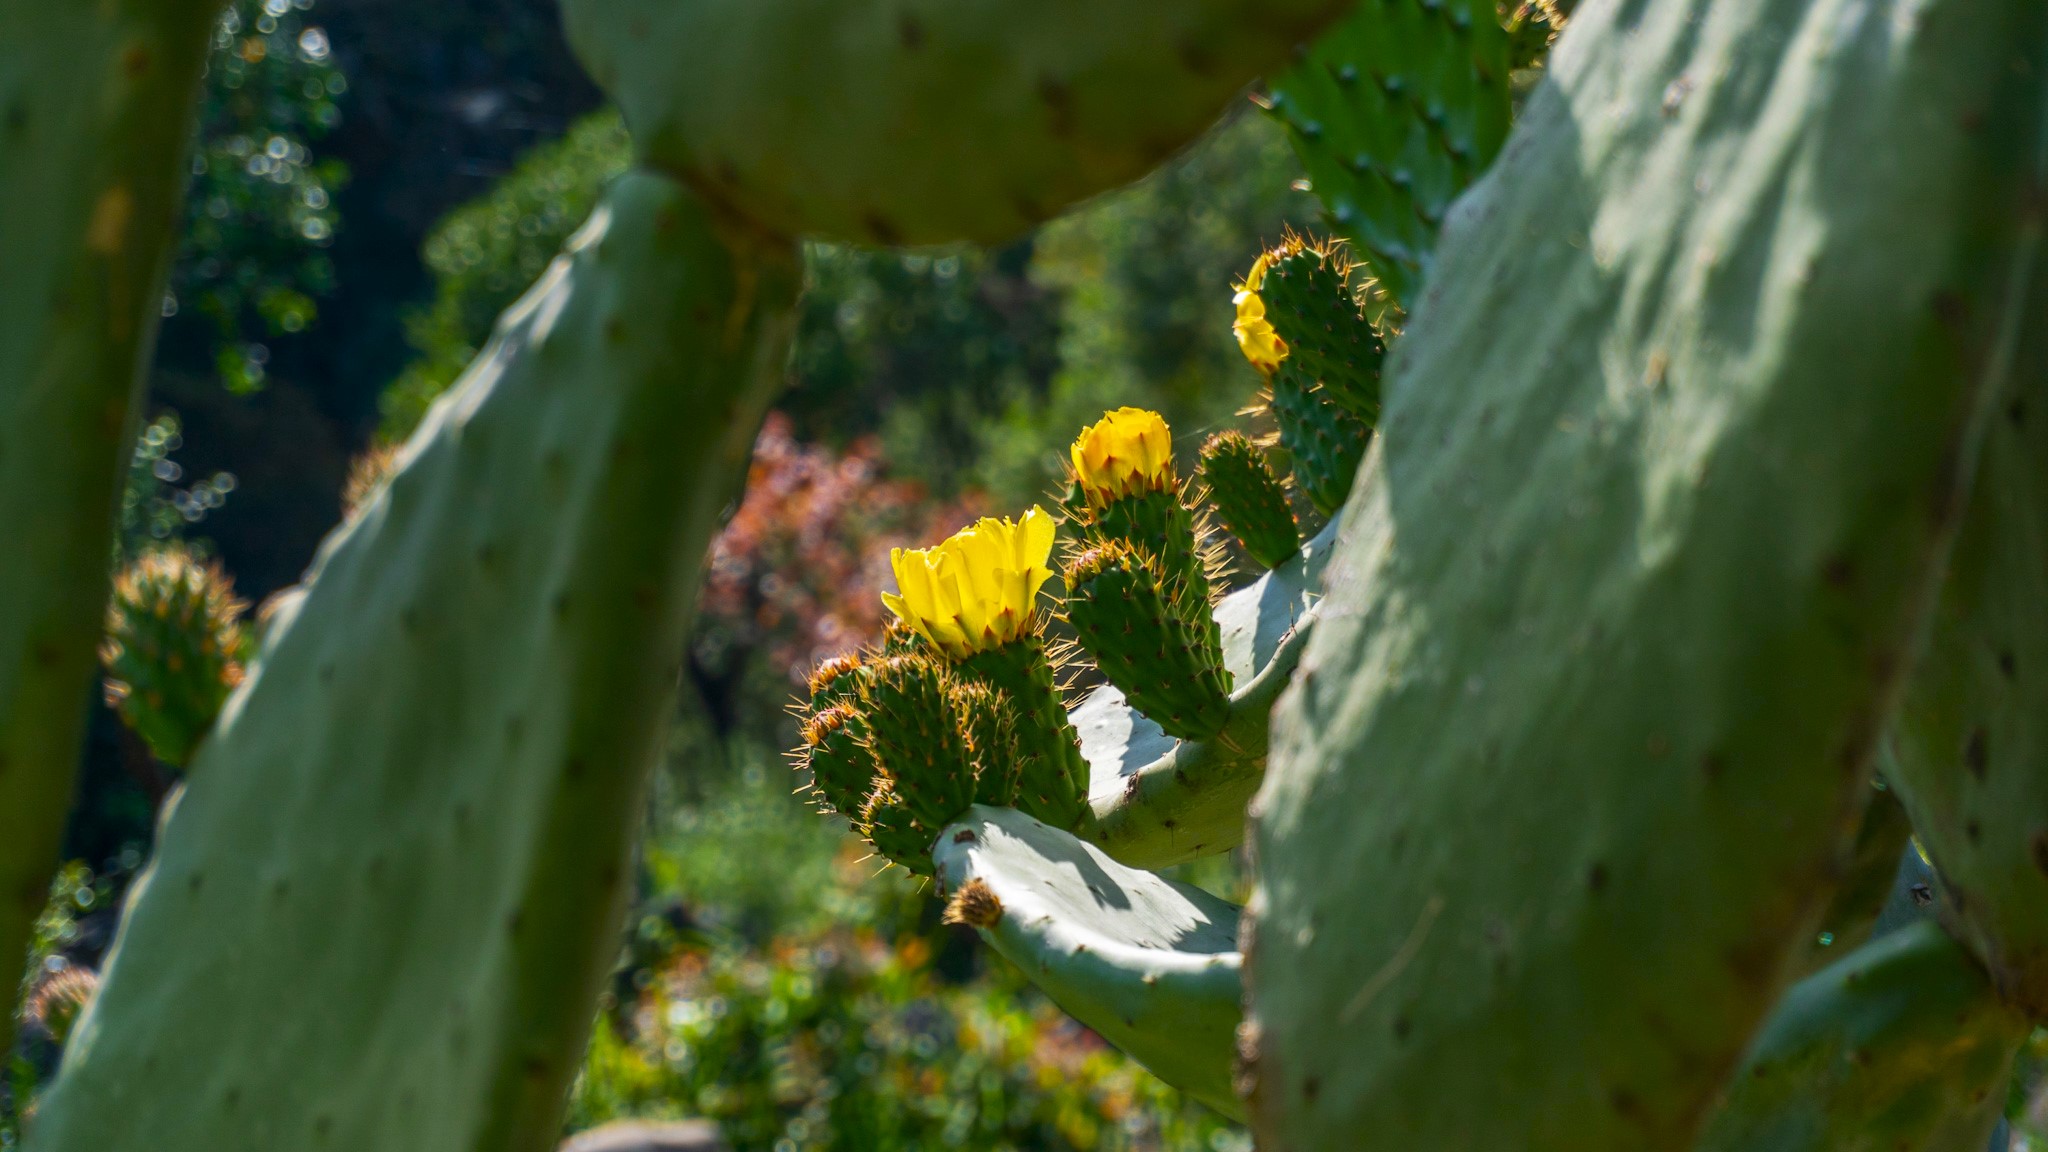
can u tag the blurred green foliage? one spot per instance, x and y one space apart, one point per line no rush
485 253
155 508
814 1004
259 215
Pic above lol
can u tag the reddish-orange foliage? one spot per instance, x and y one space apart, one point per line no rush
798 573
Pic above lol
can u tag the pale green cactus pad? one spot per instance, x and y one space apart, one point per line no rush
1161 801
96 105
1150 964
381 911
1973 731
1902 1044
924 121
1674 447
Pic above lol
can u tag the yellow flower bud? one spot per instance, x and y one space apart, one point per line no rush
1126 452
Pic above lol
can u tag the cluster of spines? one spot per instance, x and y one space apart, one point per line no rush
1168 664
1248 496
174 648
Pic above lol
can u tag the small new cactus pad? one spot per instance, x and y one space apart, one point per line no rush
173 649
1159 801
889 823
1618 616
1118 605
1900 1044
1973 728
916 735
1394 112
96 109
1163 525
990 724
1324 442
799 112
835 752
1248 497
1150 964
1307 288
382 911
1052 778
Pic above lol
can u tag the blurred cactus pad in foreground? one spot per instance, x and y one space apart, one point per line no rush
1316 575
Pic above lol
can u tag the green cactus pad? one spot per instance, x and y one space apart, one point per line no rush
1973 729
888 823
1247 496
1394 112
1159 801
1672 455
381 911
1900 1044
916 736
991 727
1150 964
96 108
1118 605
1867 878
1052 776
1307 290
836 754
1324 442
920 121
1163 525
173 649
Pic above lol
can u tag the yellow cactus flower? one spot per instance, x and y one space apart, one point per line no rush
1255 336
978 588
1126 452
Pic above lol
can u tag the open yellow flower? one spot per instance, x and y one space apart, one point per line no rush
1126 452
1255 335
978 588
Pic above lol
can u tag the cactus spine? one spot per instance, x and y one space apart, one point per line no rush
98 102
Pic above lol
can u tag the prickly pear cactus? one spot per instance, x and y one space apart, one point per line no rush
174 649
1582 735
1973 730
399 864
1249 498
924 122
96 105
1394 112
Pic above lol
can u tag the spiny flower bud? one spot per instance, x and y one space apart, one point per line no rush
173 650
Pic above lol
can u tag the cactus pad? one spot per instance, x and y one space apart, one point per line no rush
1052 777
1900 1044
1324 442
1119 607
173 649
1150 964
420 802
1973 729
1249 499
1582 733
881 121
1308 289
1394 112
98 104
836 754
917 738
